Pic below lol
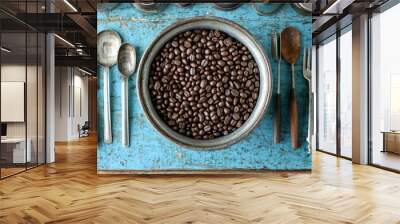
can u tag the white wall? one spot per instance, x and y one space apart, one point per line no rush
14 73
13 100
69 82
33 127
61 103
82 83
17 73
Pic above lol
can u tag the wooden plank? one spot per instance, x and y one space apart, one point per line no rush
70 191
197 172
149 150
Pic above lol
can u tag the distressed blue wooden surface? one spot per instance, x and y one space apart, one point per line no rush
149 150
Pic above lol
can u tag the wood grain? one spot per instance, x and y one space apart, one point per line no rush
290 50
70 191
290 44
158 153
294 129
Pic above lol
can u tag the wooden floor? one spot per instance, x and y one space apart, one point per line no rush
387 159
70 191
9 171
5 172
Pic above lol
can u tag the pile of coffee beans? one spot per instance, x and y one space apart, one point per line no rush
204 84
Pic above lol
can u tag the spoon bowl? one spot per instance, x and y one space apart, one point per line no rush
126 60
126 66
108 43
290 50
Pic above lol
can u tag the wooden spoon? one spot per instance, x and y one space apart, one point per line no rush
290 50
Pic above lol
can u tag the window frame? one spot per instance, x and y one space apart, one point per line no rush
381 9
334 37
27 29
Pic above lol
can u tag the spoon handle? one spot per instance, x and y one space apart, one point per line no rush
107 112
124 107
293 113
277 119
310 117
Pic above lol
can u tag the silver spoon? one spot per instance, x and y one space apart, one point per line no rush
108 43
126 66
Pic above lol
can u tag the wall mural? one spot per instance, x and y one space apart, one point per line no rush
195 87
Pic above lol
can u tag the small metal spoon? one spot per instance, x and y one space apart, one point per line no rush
108 43
126 66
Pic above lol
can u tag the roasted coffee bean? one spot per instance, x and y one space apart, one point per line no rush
236 116
234 92
204 84
192 71
175 44
227 120
157 85
204 63
221 63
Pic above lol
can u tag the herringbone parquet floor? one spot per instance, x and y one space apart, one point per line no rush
70 191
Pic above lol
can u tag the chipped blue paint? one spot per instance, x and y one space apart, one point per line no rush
149 150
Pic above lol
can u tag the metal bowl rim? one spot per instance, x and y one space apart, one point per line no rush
234 6
148 7
303 7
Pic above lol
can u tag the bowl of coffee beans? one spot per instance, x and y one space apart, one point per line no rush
204 83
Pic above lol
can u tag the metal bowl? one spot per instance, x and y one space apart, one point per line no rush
233 30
